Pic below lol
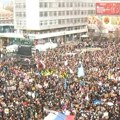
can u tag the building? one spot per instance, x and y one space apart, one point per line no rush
106 22
43 19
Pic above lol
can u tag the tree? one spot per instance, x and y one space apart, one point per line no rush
101 28
9 7
117 34
111 36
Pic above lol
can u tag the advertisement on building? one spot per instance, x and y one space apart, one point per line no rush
107 8
104 23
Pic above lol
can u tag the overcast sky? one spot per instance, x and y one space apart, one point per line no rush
5 1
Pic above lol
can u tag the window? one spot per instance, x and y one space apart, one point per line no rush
45 4
63 21
68 12
75 13
63 4
24 6
51 22
16 14
41 5
60 22
55 13
71 4
71 20
82 5
50 4
75 4
41 23
71 12
45 23
59 13
75 21
68 4
50 13
59 4
24 14
19 5
41 14
63 13
19 14
45 14
68 20
82 12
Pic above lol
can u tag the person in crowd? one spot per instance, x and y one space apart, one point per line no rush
52 83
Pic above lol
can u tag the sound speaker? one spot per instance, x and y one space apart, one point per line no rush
25 50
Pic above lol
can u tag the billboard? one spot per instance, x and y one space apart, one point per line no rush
104 23
107 8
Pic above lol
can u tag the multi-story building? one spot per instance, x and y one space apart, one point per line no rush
42 19
6 23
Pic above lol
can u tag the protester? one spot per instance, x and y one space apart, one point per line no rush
53 83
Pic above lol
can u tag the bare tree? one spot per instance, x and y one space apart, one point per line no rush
110 36
9 7
117 34
101 28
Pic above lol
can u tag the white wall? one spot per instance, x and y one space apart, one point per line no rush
32 14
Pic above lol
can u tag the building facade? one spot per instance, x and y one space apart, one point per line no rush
53 18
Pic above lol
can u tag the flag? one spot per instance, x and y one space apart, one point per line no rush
65 84
96 102
80 71
58 116
42 63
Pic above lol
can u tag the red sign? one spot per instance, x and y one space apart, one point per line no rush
108 8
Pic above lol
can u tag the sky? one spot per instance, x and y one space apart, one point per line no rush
5 1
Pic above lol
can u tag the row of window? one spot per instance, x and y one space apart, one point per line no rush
20 14
59 13
6 18
65 13
20 5
63 21
6 21
64 4
57 4
21 23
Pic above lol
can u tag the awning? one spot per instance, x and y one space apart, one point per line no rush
11 35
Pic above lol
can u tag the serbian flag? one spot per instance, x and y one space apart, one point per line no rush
59 116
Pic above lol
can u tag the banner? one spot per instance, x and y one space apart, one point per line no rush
65 84
111 8
104 23
80 71
11 88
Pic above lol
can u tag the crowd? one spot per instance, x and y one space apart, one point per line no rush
53 83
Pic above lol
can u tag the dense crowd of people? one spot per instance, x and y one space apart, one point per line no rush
52 82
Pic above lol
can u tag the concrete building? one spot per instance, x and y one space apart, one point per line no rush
42 19
6 24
